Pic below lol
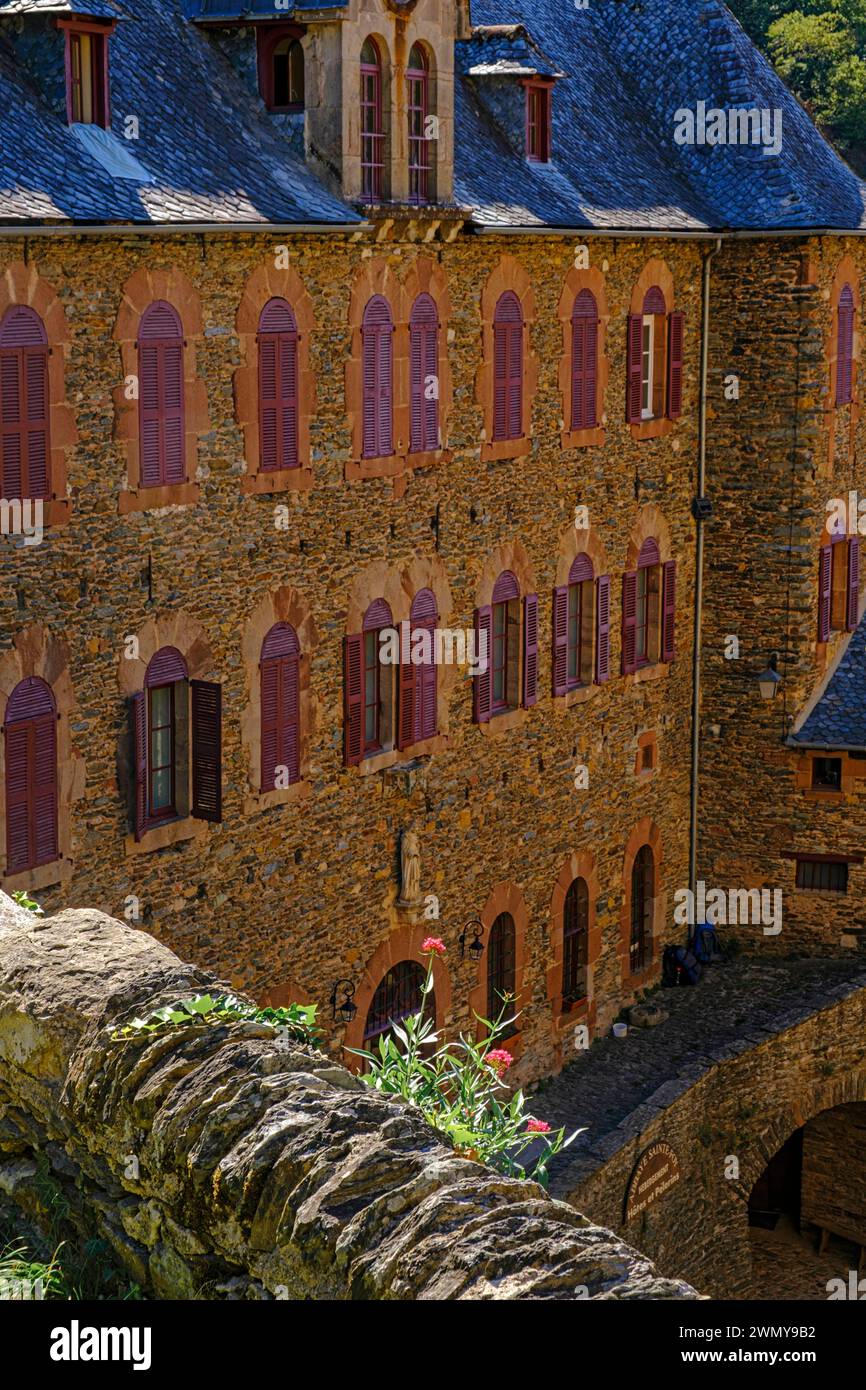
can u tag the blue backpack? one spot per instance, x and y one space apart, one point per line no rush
680 966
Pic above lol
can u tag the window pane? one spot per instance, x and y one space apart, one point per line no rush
574 623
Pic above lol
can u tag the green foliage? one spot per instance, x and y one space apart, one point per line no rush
298 1020
21 898
23 1278
459 1089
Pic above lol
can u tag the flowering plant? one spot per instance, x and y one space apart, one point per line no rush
459 1087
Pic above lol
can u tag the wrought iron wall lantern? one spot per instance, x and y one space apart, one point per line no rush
346 1009
475 948
770 680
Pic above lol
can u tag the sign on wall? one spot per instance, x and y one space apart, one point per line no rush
656 1172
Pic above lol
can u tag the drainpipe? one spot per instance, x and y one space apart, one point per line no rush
702 512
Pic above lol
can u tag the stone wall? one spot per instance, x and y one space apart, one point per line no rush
225 1163
834 1172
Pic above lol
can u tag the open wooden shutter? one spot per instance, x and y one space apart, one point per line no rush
18 851
669 610
853 606
206 750
825 592
138 728
602 641
676 333
629 619
530 650
290 717
406 712
483 681
634 370
353 699
560 640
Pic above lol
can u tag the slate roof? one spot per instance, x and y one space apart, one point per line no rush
838 720
253 9
215 156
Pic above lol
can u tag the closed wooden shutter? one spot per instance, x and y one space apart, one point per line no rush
280 705
406 710
602 641
530 650
138 733
377 339
584 362
853 605
508 368
424 617
353 699
629 619
669 609
423 365
161 397
31 776
18 797
676 333
483 681
634 370
845 347
825 592
278 387
24 406
206 750
560 640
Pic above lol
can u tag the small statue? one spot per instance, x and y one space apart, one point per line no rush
410 868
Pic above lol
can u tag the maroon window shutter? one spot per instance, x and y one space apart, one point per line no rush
288 360
530 650
669 609
172 408
36 421
602 644
377 337
825 592
18 852
161 397
138 722
424 617
483 681
406 728
629 618
24 442
584 361
508 368
500 381
290 716
278 387
11 416
370 413
676 334
44 737
149 416
270 696
845 347
560 640
515 380
353 699
268 405
853 612
423 363
206 750
634 370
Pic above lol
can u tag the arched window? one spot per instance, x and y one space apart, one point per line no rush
372 125
505 655
24 437
845 347
584 362
508 681
280 693
424 375
502 968
839 586
377 332
397 998
417 110
655 360
424 618
177 741
161 396
165 686
508 368
642 894
575 930
287 76
648 610
278 387
30 731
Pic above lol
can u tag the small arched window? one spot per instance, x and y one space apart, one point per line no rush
845 347
165 683
372 124
584 362
839 586
30 732
509 648
278 387
502 969
24 435
280 719
424 375
398 996
377 336
642 895
161 396
418 110
287 76
649 610
508 368
575 931
655 361
422 673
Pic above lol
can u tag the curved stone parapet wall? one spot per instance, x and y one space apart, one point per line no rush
224 1162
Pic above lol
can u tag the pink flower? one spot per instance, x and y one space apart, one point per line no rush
499 1059
537 1127
433 947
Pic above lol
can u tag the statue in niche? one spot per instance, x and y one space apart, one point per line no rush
410 868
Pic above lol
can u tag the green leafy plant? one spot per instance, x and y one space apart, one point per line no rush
459 1088
23 1278
21 898
298 1020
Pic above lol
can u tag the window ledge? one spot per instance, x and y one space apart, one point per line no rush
254 802
278 480
578 696
504 723
499 449
428 459
657 672
174 832
652 429
149 498
582 439
393 757
389 466
43 876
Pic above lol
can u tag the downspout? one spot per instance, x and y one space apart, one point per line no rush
701 516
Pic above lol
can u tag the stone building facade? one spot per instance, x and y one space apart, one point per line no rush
555 494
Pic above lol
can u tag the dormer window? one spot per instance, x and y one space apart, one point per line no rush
281 70
538 105
87 73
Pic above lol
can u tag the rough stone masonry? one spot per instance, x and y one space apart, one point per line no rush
220 1162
